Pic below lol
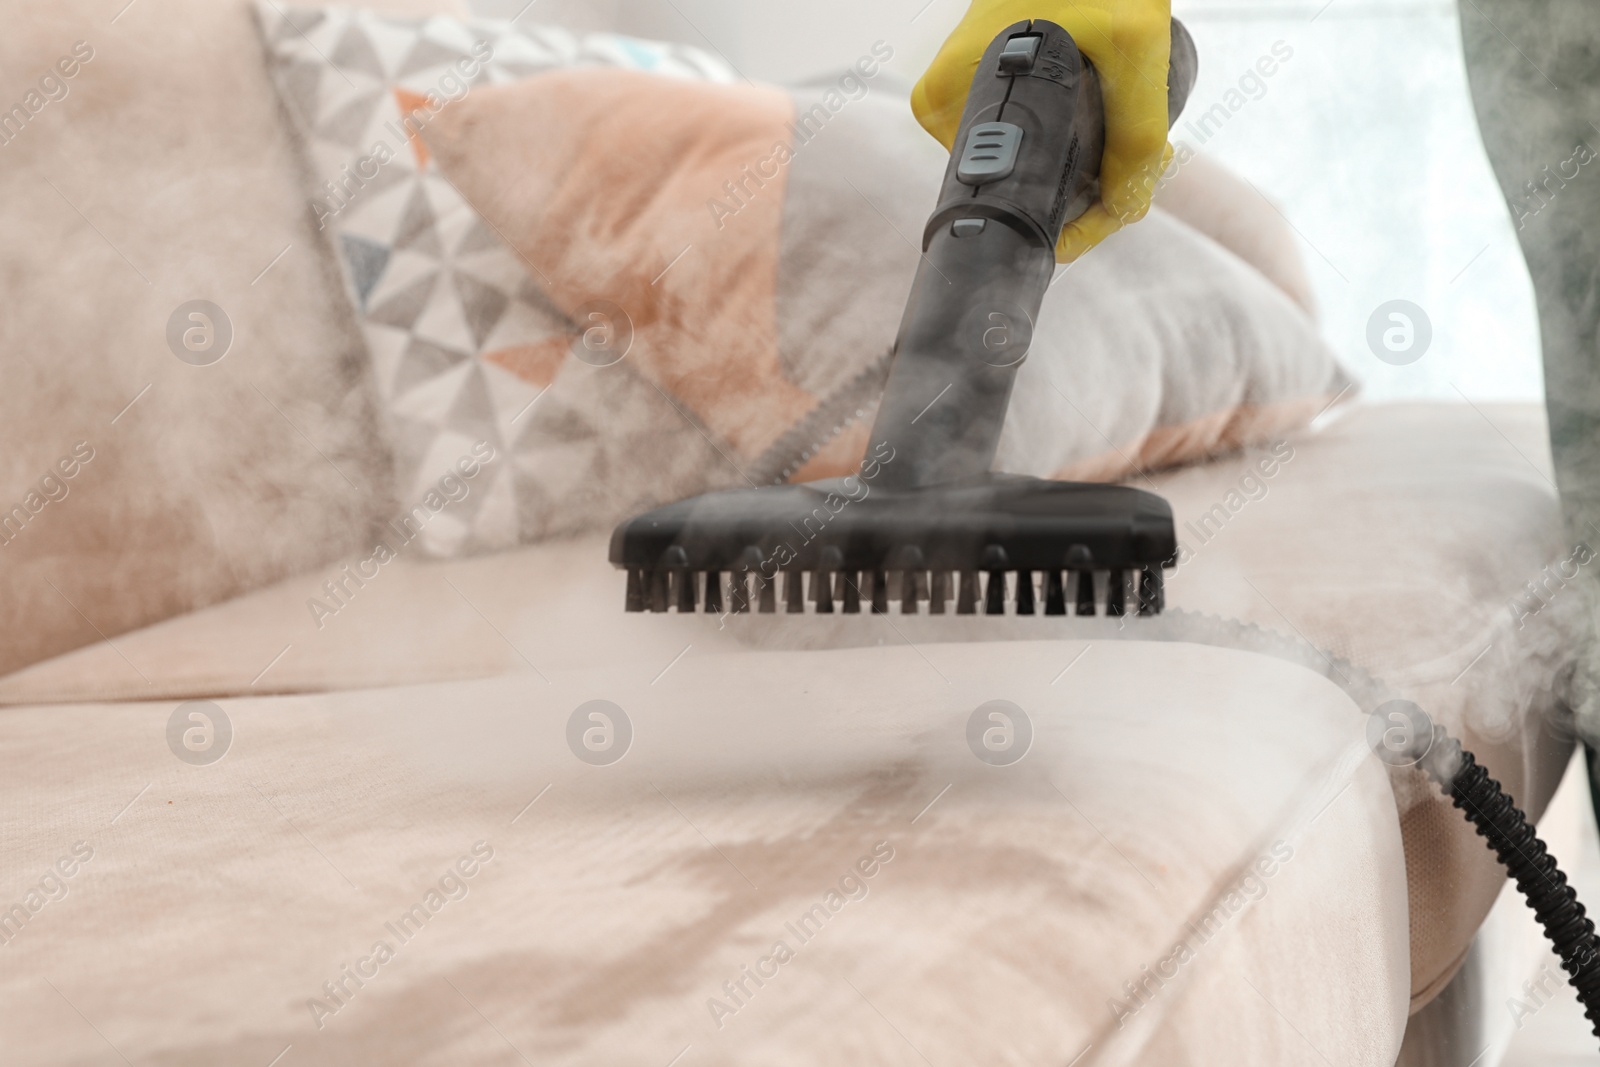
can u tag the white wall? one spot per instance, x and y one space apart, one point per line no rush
574 14
793 40
768 40
1365 140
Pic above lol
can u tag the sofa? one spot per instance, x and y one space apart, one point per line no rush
242 830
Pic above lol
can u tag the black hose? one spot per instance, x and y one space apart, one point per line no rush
1592 764
1530 864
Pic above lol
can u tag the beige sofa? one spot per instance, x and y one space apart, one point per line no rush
768 758
1195 863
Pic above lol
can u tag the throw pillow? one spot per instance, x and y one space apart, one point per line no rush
457 325
757 246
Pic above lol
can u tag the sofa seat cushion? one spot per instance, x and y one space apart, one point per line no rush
1175 873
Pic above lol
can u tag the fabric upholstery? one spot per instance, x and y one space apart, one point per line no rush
163 174
1004 916
1400 537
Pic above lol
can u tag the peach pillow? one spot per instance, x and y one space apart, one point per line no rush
756 245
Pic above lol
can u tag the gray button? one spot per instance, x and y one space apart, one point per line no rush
967 227
990 154
1018 55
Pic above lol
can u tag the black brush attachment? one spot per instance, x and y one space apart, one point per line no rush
1021 541
926 522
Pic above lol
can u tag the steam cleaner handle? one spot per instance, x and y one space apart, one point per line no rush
1026 162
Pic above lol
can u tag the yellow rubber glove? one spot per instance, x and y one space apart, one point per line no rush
1129 42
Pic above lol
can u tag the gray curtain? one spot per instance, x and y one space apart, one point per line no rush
1534 67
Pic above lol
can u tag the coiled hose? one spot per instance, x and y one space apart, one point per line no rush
1485 804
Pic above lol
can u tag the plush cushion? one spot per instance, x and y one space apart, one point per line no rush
760 244
939 905
457 329
1399 537
161 174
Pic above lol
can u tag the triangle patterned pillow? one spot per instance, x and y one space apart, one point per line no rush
455 323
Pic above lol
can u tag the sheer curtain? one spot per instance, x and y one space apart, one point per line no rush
1366 140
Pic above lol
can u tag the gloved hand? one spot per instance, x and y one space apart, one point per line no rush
1129 42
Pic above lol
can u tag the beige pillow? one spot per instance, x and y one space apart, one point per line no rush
136 485
762 267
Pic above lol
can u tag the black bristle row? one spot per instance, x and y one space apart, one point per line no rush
849 593
1117 593
794 591
1055 594
1086 592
